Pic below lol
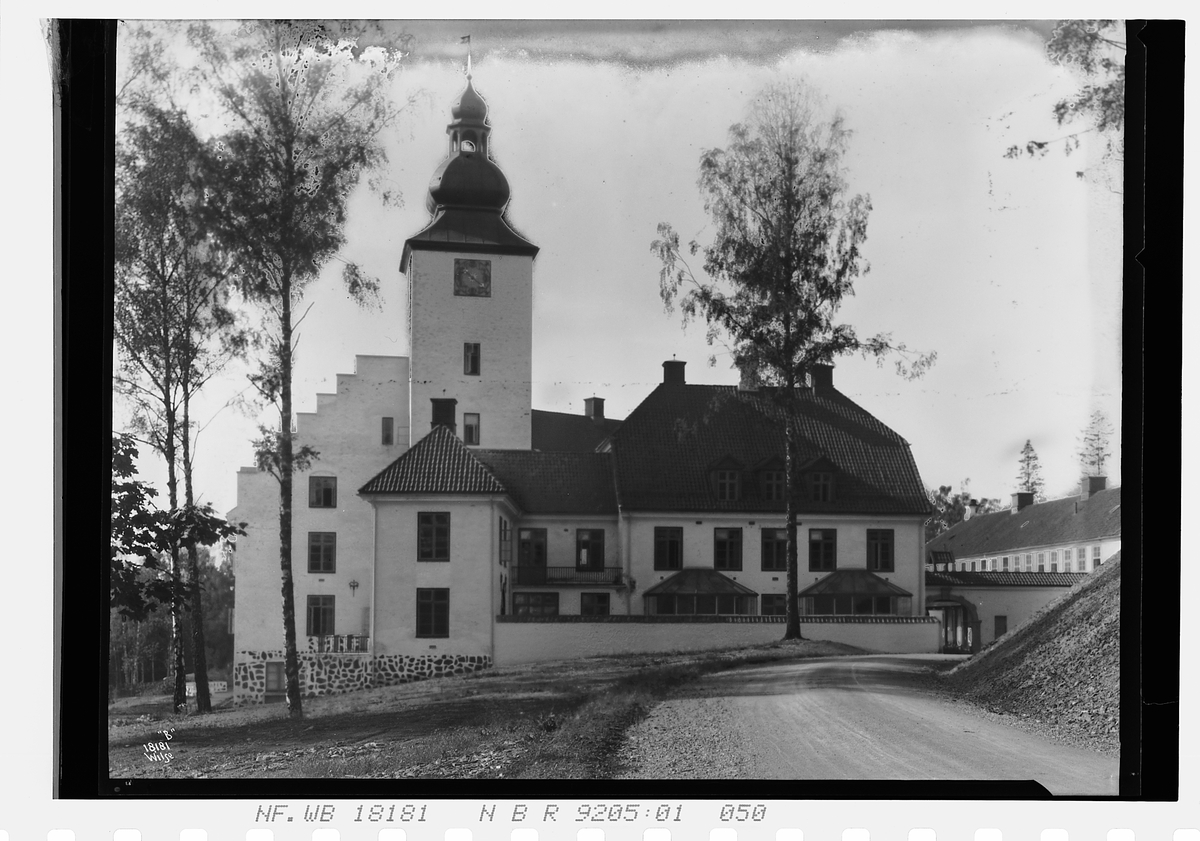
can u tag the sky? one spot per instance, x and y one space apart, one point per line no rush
1009 269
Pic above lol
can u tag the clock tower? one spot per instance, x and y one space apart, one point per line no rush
470 297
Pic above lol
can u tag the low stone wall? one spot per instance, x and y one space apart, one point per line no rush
331 674
535 639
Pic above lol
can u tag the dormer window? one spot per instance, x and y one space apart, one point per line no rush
729 485
821 485
774 485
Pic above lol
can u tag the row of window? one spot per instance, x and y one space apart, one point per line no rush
1073 560
433 607
772 485
727 549
433 613
433 545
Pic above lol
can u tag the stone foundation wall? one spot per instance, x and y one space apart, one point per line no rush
331 674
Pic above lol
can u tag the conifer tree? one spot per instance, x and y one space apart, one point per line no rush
1029 474
1094 444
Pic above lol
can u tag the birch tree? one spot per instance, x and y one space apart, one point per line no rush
785 252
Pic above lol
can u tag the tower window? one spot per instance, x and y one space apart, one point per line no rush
470 428
389 427
471 358
467 146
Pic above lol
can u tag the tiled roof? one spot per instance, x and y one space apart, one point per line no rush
1002 579
559 432
699 580
1043 524
853 582
467 230
438 463
554 483
665 450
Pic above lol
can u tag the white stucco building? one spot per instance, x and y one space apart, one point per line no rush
990 573
449 526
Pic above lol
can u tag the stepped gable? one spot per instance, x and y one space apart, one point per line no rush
555 483
1058 521
1002 579
667 447
438 463
560 432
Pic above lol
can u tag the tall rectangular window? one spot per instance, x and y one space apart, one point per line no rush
1001 626
322 551
881 550
505 541
774 549
1004 563
471 430
589 548
822 550
1041 561
433 536
320 616
433 612
471 362
1054 561
322 492
388 436
668 547
727 549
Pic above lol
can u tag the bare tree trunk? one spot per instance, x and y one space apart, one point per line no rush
793 564
199 657
291 665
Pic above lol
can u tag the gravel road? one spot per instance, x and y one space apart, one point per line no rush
846 718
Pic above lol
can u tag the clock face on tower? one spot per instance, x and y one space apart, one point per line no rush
473 278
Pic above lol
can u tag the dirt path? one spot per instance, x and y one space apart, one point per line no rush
846 718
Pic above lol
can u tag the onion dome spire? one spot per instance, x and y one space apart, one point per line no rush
467 178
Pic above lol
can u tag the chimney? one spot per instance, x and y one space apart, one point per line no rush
673 372
443 413
1021 500
1089 486
593 407
822 374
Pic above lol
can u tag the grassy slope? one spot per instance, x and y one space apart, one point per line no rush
559 720
1061 667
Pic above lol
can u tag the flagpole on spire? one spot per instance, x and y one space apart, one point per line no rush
466 39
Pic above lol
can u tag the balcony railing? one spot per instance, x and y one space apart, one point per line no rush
340 644
535 575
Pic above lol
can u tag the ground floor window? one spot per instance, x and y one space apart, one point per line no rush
690 604
535 604
774 604
433 612
850 605
320 616
594 604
